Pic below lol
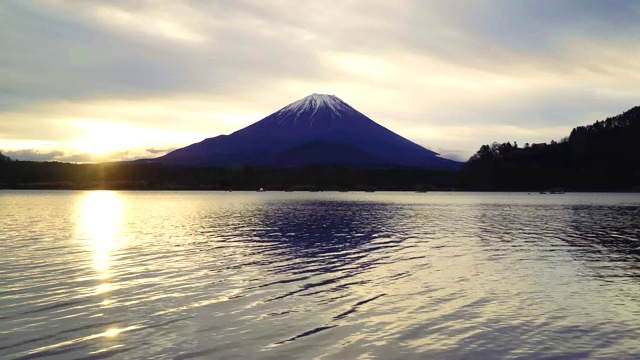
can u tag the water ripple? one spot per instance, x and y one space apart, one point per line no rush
93 275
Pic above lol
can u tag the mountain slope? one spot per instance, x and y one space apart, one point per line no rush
319 119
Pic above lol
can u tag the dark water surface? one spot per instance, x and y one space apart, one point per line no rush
139 275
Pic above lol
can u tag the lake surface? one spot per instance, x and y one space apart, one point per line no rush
274 275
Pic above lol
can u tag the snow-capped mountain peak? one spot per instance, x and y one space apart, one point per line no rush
317 129
312 103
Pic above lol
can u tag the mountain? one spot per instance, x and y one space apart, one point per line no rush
318 129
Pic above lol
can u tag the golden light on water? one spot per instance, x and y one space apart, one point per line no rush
109 333
100 224
100 228
112 332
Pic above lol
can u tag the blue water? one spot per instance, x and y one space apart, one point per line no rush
181 275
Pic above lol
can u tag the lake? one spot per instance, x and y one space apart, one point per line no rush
274 275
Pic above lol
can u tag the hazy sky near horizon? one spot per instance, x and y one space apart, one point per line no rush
112 80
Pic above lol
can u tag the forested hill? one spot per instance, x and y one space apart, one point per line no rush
4 158
604 156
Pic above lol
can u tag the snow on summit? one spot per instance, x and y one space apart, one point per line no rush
312 103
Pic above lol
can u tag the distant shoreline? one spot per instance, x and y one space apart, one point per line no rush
36 187
31 175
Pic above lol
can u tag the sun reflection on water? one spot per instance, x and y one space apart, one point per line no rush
100 225
112 332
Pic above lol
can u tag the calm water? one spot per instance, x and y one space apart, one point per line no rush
318 275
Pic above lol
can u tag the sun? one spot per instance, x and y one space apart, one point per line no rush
101 138
95 145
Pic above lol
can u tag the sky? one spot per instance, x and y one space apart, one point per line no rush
87 81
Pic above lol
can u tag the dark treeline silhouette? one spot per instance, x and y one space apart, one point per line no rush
58 175
599 157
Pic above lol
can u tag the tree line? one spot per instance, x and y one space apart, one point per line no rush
603 156
141 176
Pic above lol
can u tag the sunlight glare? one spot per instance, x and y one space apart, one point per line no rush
101 223
112 332
104 137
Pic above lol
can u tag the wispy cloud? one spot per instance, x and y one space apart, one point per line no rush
33 155
159 151
448 75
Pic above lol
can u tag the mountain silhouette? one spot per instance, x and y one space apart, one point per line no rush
318 129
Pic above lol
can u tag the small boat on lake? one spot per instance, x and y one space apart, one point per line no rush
555 191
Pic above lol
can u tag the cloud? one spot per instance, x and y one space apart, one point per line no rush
159 151
453 154
164 74
98 49
58 155
76 158
33 155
